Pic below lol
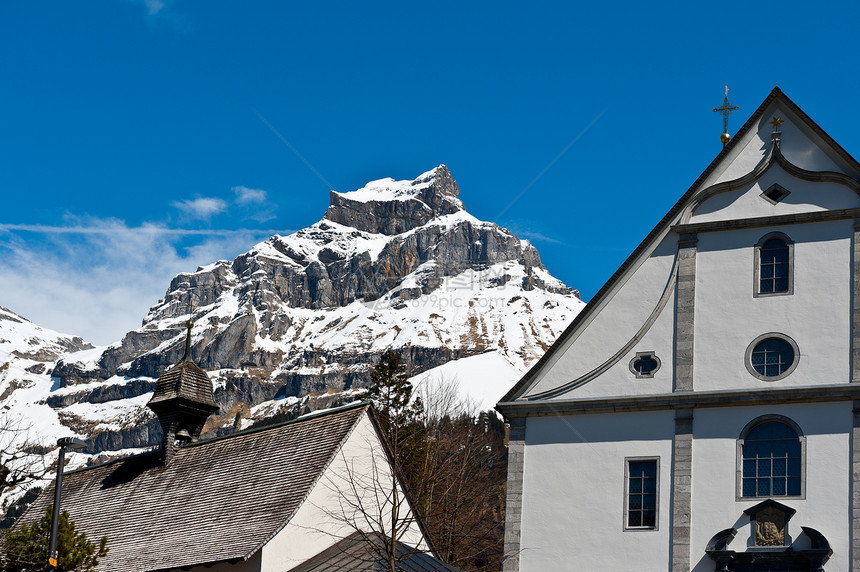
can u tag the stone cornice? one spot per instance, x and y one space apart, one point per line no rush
737 224
682 400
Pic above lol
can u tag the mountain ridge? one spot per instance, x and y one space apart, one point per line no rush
394 265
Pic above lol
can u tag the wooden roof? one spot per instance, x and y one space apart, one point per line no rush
355 554
184 381
217 500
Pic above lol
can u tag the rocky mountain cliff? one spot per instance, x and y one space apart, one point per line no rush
395 264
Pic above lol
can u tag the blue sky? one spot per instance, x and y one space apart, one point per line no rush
144 138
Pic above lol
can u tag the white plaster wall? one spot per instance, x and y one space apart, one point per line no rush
798 143
827 506
612 326
573 492
321 520
747 202
250 565
816 315
618 380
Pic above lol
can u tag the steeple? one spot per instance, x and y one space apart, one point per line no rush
183 400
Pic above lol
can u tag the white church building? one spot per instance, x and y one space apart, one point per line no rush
702 413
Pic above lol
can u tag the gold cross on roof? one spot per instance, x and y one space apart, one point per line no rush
724 110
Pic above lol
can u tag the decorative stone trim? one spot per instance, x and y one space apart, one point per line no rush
855 303
775 190
644 355
682 472
625 526
757 293
685 302
740 455
761 338
743 223
728 398
855 488
514 500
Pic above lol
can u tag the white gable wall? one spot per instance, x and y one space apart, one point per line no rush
800 145
621 316
825 506
320 521
747 202
573 500
572 467
817 315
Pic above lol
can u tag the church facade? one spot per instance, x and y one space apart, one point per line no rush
701 413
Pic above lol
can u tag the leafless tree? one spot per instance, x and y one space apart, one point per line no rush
21 454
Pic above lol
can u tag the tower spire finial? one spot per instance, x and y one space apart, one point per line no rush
725 109
188 324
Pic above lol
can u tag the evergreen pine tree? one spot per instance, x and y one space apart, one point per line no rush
391 394
26 549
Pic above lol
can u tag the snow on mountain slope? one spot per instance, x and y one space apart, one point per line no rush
394 265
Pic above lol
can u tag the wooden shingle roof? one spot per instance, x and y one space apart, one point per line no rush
354 554
184 381
217 500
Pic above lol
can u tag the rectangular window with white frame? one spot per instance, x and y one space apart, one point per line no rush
642 488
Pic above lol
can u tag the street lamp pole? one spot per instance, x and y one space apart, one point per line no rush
72 443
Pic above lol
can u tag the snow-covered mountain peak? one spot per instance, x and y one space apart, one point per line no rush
386 206
394 265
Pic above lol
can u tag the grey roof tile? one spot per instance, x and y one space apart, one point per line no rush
217 500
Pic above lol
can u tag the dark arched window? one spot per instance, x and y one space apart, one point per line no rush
774 266
772 458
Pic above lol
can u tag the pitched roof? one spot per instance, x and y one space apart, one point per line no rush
184 381
245 487
594 303
354 554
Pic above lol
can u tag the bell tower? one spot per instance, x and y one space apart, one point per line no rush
183 400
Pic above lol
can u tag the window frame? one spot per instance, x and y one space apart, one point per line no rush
757 293
625 514
750 348
785 193
739 471
640 355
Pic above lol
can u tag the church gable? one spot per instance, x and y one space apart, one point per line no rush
636 335
781 168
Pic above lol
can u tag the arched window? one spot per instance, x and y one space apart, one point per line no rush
771 454
774 253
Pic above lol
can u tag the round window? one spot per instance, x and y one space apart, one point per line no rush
772 356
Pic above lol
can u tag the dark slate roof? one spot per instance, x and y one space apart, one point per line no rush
775 94
354 554
217 500
184 381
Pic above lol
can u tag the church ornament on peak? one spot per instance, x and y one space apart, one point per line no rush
776 133
725 109
183 400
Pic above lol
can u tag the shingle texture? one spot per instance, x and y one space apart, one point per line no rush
216 500
184 381
354 554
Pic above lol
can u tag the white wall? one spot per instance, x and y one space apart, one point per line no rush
804 197
573 492
817 315
612 326
321 520
827 506
799 145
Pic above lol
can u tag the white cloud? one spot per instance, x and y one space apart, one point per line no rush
202 207
153 7
97 278
244 195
